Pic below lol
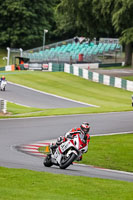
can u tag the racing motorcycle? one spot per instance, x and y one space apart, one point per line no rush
3 84
67 152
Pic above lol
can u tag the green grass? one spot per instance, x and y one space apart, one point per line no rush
113 152
109 99
20 184
18 109
130 78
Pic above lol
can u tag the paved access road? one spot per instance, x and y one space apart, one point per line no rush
25 131
114 72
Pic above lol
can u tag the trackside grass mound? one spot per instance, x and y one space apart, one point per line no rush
25 184
112 152
109 99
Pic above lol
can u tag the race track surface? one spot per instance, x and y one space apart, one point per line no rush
14 132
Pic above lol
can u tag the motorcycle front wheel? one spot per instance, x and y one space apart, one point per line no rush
47 161
65 162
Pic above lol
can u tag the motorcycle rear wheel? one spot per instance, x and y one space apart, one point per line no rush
47 161
65 163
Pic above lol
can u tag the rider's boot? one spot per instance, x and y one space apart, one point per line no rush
79 158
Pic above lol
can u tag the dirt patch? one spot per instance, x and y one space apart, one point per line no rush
5 114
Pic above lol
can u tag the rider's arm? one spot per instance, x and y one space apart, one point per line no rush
88 138
72 133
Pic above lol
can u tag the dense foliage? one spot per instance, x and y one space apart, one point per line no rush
84 17
23 21
105 18
123 22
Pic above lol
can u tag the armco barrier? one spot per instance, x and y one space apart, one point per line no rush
96 77
2 68
56 67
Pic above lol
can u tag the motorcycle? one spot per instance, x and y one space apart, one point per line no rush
3 85
66 153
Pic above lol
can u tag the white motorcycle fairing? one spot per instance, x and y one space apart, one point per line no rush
3 85
66 152
67 147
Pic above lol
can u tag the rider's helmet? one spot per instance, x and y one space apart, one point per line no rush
60 140
85 127
3 77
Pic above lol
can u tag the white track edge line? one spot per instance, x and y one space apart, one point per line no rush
52 94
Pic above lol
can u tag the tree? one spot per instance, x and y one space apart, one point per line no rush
84 17
123 22
105 18
66 18
22 22
102 11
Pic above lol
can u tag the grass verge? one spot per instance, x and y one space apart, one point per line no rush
112 152
130 78
25 184
18 109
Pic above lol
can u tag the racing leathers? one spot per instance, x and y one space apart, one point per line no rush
70 135
75 131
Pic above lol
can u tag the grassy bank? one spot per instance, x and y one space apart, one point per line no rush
25 184
109 99
112 152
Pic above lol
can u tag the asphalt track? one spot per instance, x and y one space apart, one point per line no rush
25 131
14 132
33 98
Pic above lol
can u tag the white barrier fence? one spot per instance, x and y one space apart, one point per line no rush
3 105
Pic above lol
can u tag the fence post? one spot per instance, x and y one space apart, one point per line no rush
3 105
132 100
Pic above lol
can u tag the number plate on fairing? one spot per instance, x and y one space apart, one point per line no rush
64 146
57 156
57 153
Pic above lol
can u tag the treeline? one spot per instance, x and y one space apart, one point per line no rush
22 22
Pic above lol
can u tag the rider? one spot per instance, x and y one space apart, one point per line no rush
2 78
83 130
